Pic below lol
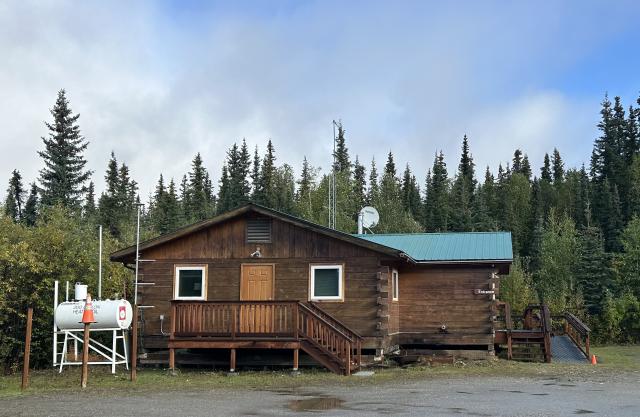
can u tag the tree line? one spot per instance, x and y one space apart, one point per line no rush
576 231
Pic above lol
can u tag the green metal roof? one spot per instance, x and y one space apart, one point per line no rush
431 247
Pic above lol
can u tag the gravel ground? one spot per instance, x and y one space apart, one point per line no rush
474 396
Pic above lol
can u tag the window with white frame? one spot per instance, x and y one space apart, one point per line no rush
394 285
326 283
190 283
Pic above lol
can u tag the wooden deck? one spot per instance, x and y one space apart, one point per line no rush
264 325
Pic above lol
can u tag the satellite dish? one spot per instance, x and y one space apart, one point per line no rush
370 217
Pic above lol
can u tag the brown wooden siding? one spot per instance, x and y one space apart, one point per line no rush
432 296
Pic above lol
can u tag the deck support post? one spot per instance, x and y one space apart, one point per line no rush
172 359
232 366
296 353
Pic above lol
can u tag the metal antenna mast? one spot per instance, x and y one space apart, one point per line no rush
332 181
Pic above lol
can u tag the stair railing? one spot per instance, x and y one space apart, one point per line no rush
578 332
335 339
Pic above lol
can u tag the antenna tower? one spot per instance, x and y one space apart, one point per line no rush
332 180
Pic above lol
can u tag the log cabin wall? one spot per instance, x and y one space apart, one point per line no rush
223 248
432 296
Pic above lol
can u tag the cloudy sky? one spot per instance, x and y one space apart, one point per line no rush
156 82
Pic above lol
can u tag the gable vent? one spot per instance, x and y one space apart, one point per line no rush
259 230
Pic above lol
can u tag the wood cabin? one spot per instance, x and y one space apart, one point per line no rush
258 278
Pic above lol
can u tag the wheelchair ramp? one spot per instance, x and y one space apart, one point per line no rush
564 350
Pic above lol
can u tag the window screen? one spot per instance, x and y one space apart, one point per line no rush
190 283
326 282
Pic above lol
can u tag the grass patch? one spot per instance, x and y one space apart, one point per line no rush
612 360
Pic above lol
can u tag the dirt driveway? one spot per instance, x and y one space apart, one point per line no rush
457 396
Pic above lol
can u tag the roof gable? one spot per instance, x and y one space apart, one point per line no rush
128 254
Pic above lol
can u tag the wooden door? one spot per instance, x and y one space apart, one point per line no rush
256 284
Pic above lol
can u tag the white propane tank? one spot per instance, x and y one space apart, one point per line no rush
109 314
81 292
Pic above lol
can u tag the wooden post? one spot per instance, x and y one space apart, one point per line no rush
232 367
587 347
27 350
134 344
172 359
85 357
234 321
296 353
348 360
296 323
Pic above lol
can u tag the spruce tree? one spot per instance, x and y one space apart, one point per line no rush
265 192
545 171
63 177
117 204
462 192
255 175
633 196
593 273
172 207
359 185
224 191
485 204
558 168
89 208
547 194
238 165
436 206
108 207
306 184
199 201
30 212
284 189
157 213
15 197
526 167
517 161
185 202
343 163
373 194
411 194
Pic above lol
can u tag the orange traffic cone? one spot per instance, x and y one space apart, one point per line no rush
87 314
594 361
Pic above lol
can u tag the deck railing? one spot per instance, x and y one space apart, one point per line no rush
234 319
267 320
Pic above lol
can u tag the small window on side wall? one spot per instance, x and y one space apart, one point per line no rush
190 283
326 283
394 285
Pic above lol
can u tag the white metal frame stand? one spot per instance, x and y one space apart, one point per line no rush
111 354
